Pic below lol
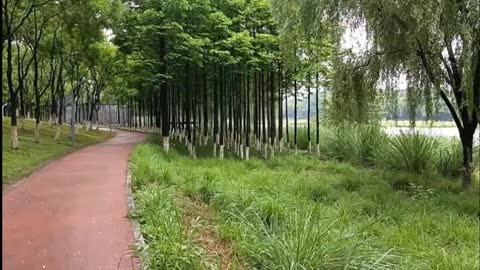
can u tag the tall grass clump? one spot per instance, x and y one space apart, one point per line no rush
356 143
450 158
303 241
412 152
476 163
168 245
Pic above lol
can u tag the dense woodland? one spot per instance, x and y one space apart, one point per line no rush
224 71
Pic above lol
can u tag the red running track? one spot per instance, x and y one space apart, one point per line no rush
72 213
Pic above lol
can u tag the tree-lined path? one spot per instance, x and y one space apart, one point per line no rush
72 214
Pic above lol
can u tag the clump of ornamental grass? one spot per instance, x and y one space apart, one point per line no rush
412 152
168 244
357 143
450 158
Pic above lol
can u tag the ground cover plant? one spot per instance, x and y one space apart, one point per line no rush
367 145
17 163
298 212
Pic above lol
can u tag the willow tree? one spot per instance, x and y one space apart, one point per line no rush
435 44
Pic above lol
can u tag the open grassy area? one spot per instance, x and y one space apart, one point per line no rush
21 162
298 212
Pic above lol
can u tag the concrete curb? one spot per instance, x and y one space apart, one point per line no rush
137 232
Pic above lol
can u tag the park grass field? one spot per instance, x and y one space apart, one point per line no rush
17 163
298 212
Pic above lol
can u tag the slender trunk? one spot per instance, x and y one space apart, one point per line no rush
72 120
194 114
295 118
280 111
255 109
215 114
164 96
308 115
205 106
247 126
317 141
187 104
272 114
37 119
287 127
21 91
222 112
262 104
118 113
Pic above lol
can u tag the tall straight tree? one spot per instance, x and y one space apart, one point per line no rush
295 117
280 109
309 136
272 113
317 118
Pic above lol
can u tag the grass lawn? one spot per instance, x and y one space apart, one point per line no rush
21 162
298 212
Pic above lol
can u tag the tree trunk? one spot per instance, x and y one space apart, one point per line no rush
295 119
317 141
215 113
287 127
272 114
262 105
164 97
223 112
308 115
280 111
205 107
466 136
247 125
72 121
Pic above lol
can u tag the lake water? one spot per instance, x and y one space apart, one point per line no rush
434 132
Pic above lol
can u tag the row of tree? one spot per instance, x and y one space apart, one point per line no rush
52 49
212 68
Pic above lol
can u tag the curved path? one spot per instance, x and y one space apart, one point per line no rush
72 214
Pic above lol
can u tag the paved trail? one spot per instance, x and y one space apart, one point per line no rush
72 214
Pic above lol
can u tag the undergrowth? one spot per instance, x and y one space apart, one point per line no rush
298 212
